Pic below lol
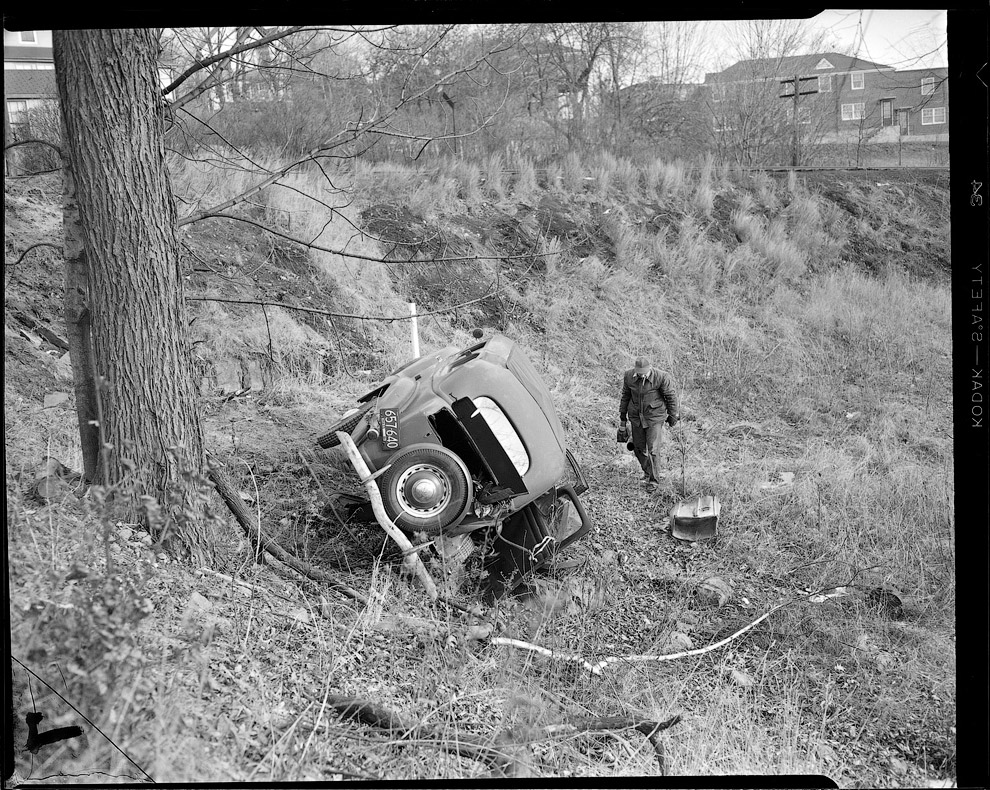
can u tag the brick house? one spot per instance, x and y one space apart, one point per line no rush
912 105
842 97
28 78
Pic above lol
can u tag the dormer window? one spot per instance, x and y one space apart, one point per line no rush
858 80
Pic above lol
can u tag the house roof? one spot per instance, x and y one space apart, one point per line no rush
816 63
935 71
29 83
28 53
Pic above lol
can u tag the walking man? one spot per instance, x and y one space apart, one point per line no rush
648 400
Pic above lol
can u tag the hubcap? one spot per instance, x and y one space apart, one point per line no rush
423 491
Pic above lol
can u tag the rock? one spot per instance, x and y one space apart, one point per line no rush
480 631
740 678
885 603
63 367
53 399
201 602
714 592
680 641
898 765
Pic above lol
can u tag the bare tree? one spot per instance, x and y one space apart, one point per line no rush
752 124
659 109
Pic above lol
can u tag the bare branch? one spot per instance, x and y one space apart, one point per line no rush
492 290
235 50
349 135
34 247
358 256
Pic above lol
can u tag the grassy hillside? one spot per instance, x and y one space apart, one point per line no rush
805 319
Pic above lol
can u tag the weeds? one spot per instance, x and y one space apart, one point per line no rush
821 425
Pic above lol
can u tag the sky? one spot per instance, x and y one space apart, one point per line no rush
903 39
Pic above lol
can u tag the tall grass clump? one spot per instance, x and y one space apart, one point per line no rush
766 190
524 186
694 261
784 260
604 167
467 175
627 175
555 178
674 178
653 176
703 197
495 175
574 173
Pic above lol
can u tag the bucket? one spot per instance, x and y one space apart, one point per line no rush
695 519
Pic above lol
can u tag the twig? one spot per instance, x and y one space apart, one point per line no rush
250 526
33 247
346 527
648 727
380 717
314 311
35 141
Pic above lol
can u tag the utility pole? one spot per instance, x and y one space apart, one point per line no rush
796 80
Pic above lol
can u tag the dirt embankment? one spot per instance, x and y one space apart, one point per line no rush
817 422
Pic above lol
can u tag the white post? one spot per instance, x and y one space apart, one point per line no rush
415 329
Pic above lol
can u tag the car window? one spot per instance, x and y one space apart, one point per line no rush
504 432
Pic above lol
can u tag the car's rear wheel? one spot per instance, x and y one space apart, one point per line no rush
347 423
426 489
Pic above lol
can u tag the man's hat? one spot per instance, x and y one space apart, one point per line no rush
642 366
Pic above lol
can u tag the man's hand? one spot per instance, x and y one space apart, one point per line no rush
672 420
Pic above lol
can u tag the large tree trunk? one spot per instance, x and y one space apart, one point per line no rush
113 114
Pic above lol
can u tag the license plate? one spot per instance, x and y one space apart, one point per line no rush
390 428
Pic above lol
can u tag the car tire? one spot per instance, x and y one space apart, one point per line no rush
347 423
426 489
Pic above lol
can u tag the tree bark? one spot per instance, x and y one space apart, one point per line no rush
113 113
77 322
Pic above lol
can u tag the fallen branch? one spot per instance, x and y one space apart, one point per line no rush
411 559
648 727
382 718
32 323
596 669
253 530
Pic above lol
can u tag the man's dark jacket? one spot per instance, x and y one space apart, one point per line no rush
651 400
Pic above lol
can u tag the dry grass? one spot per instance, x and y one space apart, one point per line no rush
826 386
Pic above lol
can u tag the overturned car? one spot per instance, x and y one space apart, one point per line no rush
467 441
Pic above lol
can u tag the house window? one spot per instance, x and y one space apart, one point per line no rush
927 86
853 112
28 37
858 80
17 111
932 115
824 83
